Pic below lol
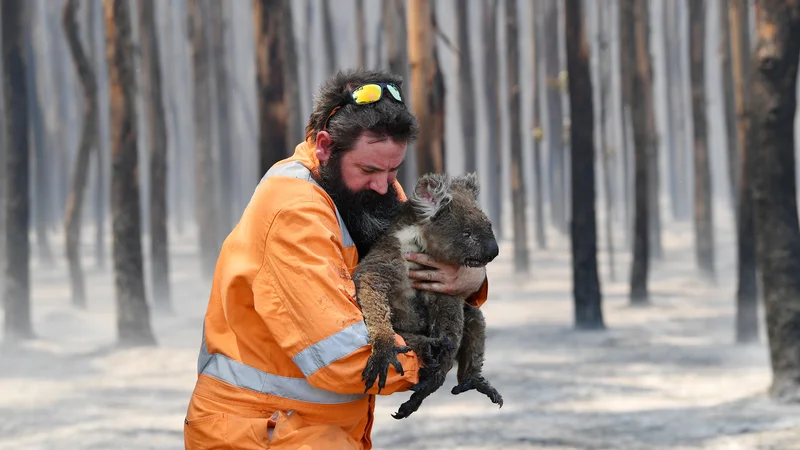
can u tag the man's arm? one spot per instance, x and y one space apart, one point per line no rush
469 282
321 326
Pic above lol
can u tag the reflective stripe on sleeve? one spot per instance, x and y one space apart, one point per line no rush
332 348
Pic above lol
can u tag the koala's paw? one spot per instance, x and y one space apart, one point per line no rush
481 385
378 365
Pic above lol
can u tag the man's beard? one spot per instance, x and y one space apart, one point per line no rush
367 214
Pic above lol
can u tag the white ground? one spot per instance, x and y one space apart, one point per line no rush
662 377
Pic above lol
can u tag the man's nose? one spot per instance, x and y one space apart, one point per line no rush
380 185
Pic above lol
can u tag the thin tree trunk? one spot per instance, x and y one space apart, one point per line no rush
329 38
491 88
17 263
606 152
206 209
156 118
427 87
558 200
703 215
515 139
466 88
133 316
728 98
746 293
627 59
536 60
677 105
394 25
634 14
88 142
296 125
774 187
273 143
361 35
100 160
586 285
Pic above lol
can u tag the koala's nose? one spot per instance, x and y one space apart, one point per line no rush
492 250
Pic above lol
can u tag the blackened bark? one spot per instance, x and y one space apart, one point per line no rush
627 53
329 38
774 187
100 157
633 14
746 292
606 153
466 88
515 139
296 124
555 135
393 20
361 35
491 88
729 107
273 143
17 263
156 124
677 107
703 214
88 143
206 209
586 285
538 135
133 316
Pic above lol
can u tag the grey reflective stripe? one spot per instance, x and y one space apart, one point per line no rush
238 374
296 169
334 347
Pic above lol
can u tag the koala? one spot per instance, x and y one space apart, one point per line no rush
443 219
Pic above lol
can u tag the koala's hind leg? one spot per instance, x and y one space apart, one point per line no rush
432 351
470 357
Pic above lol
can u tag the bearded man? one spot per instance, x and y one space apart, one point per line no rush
284 342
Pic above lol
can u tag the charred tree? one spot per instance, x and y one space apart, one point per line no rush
538 135
328 36
703 215
557 148
291 75
466 96
746 292
774 187
427 83
100 142
515 139
632 16
17 302
207 210
491 88
156 124
606 153
729 106
393 20
586 285
361 35
273 143
133 316
88 143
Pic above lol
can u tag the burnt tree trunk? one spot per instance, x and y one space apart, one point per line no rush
133 316
703 215
88 142
774 188
555 135
586 285
606 153
491 88
393 20
328 36
677 108
627 54
427 83
536 60
100 158
746 292
296 124
16 302
466 88
361 35
634 14
515 139
273 143
156 124
729 107
207 210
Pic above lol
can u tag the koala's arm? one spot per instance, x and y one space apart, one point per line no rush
479 297
306 298
378 280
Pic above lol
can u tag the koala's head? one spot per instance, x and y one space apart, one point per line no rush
452 223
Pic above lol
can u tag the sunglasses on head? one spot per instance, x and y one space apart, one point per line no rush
366 94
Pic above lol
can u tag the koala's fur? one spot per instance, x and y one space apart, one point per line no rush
443 219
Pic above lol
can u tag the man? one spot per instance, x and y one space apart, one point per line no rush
284 342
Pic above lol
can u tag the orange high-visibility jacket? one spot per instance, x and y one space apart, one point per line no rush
284 342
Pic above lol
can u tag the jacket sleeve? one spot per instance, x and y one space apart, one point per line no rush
317 321
479 297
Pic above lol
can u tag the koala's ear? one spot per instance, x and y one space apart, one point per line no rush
468 182
431 193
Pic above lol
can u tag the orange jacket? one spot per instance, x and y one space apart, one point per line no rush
282 330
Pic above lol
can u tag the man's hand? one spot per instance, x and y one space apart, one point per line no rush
448 279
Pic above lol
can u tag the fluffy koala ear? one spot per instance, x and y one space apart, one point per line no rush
431 193
468 182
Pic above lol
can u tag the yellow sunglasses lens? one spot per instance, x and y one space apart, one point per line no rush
367 94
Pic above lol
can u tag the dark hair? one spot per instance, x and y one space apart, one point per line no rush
385 118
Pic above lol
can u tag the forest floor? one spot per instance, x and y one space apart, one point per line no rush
665 376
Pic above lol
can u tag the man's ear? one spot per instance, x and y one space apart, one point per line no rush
324 148
470 183
431 193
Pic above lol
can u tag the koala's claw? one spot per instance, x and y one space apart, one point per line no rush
481 385
378 366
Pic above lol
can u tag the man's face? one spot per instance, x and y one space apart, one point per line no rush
360 183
